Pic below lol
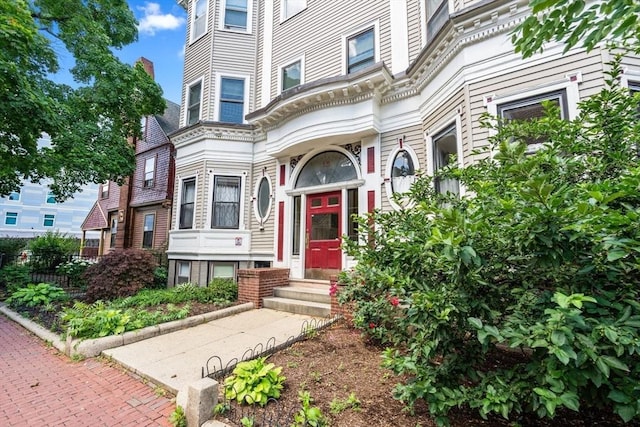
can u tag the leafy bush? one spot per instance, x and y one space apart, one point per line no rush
223 289
14 277
543 258
32 295
51 249
160 275
308 415
10 249
254 381
74 269
101 319
119 274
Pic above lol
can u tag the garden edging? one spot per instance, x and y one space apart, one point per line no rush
93 347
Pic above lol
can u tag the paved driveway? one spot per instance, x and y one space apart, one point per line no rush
40 387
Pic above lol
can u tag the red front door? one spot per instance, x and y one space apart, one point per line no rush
322 238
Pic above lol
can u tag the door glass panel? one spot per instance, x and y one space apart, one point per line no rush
316 202
324 226
333 201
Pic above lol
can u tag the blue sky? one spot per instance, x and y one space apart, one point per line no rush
161 38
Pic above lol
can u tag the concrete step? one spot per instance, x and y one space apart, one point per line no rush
309 283
304 294
309 308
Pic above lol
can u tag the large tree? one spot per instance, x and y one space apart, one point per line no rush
89 123
578 23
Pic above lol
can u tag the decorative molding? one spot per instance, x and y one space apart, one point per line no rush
354 149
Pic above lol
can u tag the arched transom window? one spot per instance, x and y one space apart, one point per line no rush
326 168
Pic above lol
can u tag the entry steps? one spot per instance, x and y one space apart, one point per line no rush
309 297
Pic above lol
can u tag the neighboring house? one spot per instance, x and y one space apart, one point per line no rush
297 114
34 210
136 214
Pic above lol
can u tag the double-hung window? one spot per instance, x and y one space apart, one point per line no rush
231 100
361 50
531 108
11 218
445 148
48 220
235 14
149 171
105 190
183 272
226 202
187 203
437 15
199 26
194 99
291 75
292 7
147 231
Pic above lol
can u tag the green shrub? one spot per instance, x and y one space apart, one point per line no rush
542 256
74 270
118 274
13 277
160 275
51 249
10 249
101 319
32 295
254 382
223 290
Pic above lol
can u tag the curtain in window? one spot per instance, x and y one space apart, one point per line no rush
444 148
226 202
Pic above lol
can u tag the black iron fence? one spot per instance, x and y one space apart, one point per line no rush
274 413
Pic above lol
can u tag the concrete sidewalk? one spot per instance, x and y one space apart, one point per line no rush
175 360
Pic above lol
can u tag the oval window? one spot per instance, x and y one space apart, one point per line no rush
402 173
264 197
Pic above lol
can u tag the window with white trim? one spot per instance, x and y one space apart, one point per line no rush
149 171
226 202
11 218
14 196
437 13
183 272
530 108
292 7
403 172
236 14
51 198
291 75
223 270
445 151
231 102
147 230
104 192
187 203
263 199
361 50
199 24
48 220
194 101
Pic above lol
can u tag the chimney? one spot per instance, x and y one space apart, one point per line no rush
148 66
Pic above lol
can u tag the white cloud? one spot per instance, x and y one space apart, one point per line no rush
154 20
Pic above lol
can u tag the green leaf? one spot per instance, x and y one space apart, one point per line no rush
626 412
570 400
619 396
475 322
616 254
558 338
602 366
614 362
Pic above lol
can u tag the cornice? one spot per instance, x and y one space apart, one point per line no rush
215 131
464 28
326 93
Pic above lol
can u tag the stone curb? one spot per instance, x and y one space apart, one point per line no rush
93 347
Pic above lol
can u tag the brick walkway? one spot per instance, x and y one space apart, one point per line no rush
40 387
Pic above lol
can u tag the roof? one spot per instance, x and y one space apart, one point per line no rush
169 121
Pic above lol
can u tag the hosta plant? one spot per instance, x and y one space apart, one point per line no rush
254 382
33 295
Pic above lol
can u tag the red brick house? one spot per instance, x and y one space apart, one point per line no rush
137 213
